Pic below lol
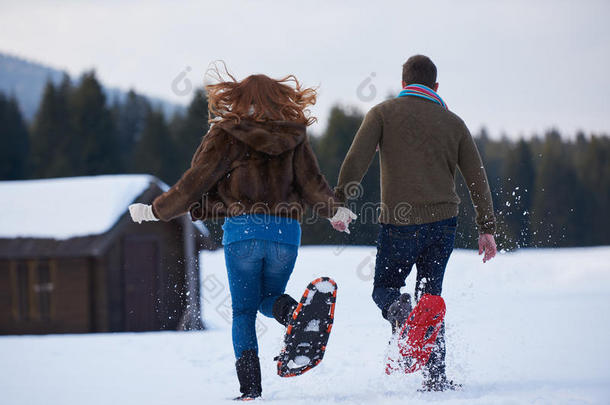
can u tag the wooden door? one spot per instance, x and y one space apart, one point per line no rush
140 270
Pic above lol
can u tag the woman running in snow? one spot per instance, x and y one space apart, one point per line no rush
256 168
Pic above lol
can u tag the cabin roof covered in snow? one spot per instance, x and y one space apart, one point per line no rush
65 208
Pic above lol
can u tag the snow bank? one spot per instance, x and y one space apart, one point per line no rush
530 327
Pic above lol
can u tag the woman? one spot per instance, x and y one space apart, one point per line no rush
256 168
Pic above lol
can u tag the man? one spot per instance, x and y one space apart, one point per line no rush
420 143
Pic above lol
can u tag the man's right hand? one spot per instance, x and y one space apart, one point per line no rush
487 245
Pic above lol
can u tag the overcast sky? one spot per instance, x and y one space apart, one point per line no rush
514 66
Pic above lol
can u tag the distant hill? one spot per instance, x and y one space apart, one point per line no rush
26 80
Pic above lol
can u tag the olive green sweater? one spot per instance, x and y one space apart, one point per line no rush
420 146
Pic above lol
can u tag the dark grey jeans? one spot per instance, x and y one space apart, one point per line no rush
428 246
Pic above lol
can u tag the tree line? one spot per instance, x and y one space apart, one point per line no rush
548 190
77 132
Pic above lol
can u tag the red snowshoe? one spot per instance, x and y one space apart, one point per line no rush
416 338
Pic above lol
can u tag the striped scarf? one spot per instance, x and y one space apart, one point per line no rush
419 90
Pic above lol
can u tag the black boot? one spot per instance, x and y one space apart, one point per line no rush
249 374
399 311
435 378
439 384
283 308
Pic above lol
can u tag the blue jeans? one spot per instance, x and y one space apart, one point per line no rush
400 247
258 272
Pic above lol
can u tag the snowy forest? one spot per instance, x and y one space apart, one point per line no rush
549 190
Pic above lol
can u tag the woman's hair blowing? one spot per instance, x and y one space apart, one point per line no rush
258 97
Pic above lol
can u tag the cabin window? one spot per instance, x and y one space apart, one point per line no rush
23 291
43 288
33 290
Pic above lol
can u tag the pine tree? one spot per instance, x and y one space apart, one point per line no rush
95 148
518 188
52 133
559 197
333 145
188 131
14 140
130 118
154 153
593 167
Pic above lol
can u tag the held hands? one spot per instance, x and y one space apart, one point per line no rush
487 245
141 212
342 219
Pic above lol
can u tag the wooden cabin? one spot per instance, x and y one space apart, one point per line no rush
72 261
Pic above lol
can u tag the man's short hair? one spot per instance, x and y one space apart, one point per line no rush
419 69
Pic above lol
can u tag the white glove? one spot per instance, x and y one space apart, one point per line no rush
141 212
342 218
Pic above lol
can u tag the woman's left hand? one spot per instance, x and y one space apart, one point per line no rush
342 218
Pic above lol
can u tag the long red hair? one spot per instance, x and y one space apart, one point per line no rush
259 97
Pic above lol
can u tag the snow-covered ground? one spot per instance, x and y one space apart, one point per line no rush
530 327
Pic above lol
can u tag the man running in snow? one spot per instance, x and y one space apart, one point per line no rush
421 144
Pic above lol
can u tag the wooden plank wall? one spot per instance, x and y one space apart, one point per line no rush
69 297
